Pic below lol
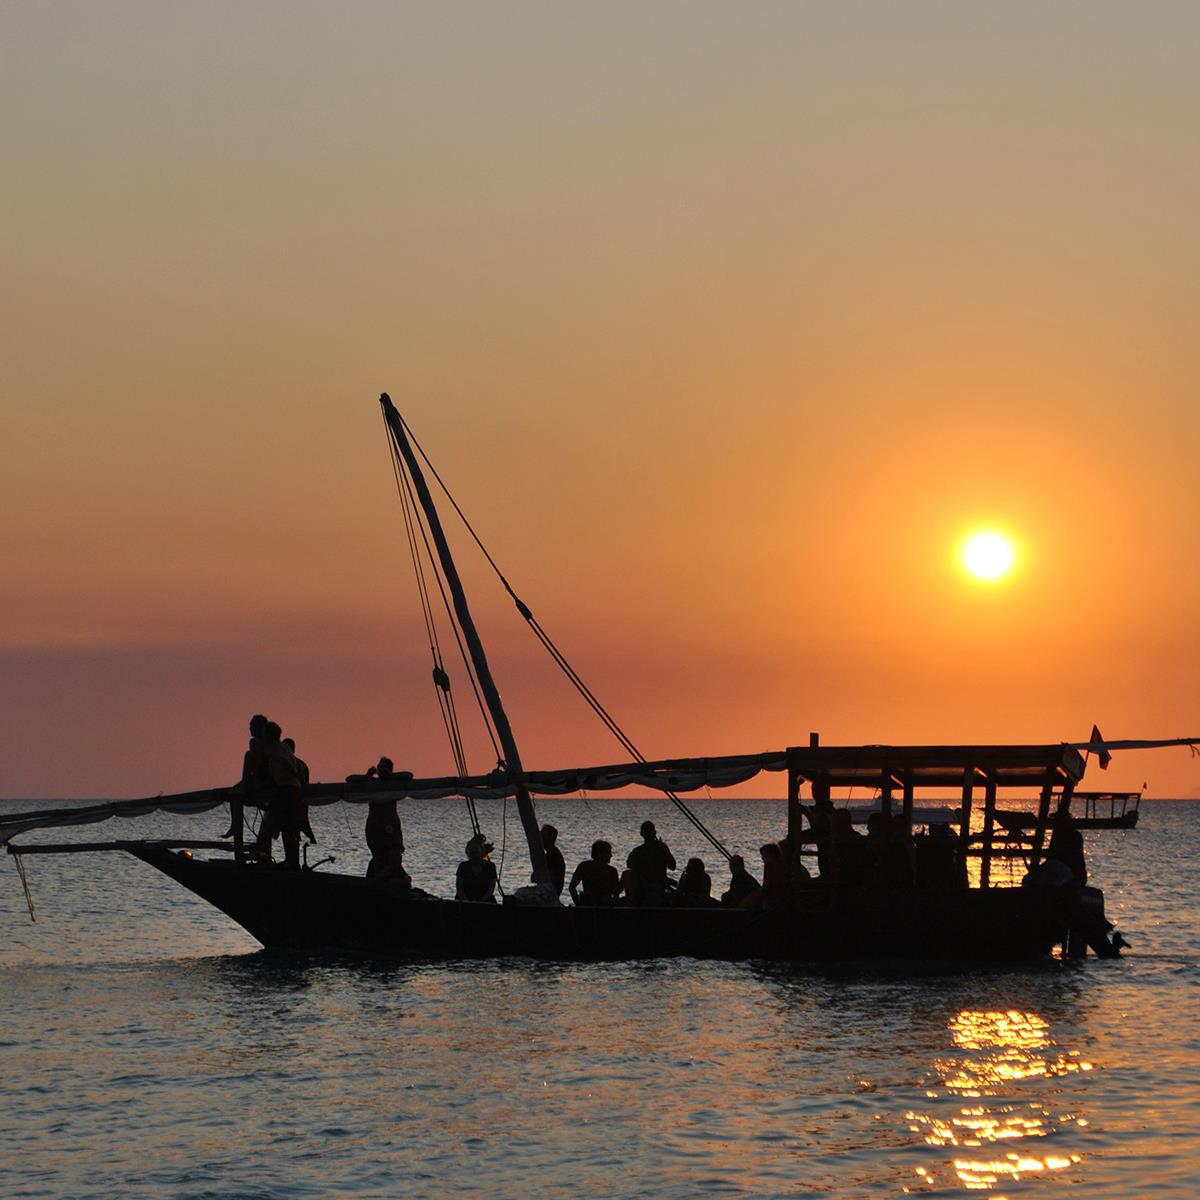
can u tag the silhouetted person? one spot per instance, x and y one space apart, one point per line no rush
284 814
694 889
744 890
820 820
255 780
891 853
1066 846
853 855
650 863
776 887
937 859
475 878
256 776
383 769
597 877
554 858
1064 871
302 771
385 840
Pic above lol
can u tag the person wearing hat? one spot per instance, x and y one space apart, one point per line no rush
475 879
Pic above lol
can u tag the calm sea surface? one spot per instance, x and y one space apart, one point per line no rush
149 1049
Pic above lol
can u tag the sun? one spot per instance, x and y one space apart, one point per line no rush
988 555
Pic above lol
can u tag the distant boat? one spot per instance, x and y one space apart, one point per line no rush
932 915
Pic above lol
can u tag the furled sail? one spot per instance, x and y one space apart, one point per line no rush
666 775
678 775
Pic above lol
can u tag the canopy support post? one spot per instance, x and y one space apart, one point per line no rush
989 828
964 829
1043 819
795 816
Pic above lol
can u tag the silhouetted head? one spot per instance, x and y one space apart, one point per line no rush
879 824
602 851
771 852
737 863
549 836
843 822
695 866
384 767
257 724
478 848
649 833
290 743
271 733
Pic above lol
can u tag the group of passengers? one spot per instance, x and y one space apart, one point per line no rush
887 857
272 771
645 882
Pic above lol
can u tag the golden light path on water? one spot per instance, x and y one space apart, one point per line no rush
993 1144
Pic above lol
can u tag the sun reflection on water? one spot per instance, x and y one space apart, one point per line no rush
996 1052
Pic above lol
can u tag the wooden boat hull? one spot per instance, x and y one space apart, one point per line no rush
314 910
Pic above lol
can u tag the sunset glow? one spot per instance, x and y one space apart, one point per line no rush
725 329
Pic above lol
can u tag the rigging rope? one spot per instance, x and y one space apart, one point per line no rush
25 885
441 679
560 659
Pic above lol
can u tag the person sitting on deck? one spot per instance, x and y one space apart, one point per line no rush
302 771
853 854
776 888
650 863
283 816
597 876
475 879
820 819
695 886
1066 846
892 856
937 859
554 858
1060 872
744 890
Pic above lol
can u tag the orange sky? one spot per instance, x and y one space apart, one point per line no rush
724 324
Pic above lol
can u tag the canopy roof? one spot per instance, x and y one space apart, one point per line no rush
937 766
836 766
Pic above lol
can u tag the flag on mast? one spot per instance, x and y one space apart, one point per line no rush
1103 757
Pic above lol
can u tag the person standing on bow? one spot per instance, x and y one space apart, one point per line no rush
385 837
255 778
648 865
302 771
285 813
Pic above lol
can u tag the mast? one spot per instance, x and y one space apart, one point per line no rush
491 694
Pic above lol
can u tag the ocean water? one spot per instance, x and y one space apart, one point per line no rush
148 1048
